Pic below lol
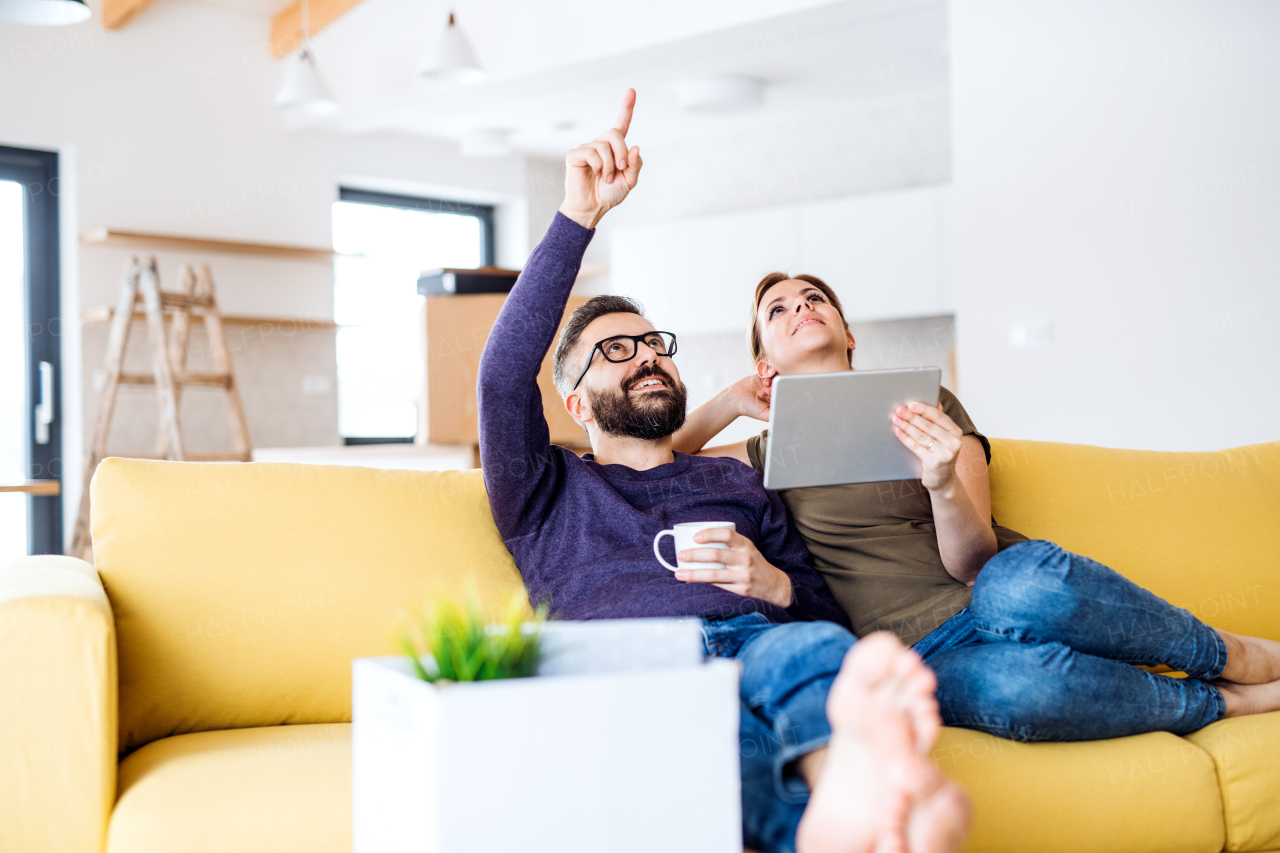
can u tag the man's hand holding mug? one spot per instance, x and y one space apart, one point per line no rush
742 569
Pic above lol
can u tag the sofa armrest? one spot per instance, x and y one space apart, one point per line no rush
58 706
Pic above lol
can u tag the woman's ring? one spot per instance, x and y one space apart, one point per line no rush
932 441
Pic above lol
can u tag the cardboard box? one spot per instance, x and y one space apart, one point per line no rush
455 329
625 741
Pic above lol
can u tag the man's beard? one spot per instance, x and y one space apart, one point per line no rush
657 415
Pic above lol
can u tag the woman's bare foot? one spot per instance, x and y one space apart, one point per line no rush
1250 660
876 790
1244 699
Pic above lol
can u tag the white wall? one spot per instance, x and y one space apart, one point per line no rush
881 252
168 126
1117 177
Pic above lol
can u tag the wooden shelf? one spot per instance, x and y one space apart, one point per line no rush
113 238
38 488
104 313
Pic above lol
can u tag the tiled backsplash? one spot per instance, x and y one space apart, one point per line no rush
286 371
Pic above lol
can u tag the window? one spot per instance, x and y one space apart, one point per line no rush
30 417
384 242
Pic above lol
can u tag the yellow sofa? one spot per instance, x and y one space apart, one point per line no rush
193 693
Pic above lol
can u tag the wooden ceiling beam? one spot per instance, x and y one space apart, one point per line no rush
286 26
116 14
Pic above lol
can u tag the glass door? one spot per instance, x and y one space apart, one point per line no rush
30 441
13 373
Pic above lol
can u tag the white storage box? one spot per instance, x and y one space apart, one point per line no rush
626 740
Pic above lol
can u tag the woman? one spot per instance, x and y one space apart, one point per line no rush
1022 635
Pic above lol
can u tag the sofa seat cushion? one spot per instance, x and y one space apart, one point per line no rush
1246 754
277 789
1150 792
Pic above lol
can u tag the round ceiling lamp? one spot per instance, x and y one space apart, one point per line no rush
46 13
303 92
453 59
720 93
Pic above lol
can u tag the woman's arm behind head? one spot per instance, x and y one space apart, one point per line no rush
748 397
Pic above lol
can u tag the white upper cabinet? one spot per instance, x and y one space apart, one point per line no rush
883 254
697 275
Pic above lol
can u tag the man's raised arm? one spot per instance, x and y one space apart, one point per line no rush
515 444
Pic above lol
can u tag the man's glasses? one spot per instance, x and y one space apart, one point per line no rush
624 347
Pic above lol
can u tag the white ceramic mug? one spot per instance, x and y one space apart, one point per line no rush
683 536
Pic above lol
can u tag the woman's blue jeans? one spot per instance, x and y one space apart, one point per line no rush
787 672
1044 652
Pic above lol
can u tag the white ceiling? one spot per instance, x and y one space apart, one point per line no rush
263 9
557 69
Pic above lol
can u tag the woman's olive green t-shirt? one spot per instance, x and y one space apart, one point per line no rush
876 545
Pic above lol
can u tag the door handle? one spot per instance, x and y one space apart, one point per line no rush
44 409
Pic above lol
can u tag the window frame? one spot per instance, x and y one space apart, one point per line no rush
483 212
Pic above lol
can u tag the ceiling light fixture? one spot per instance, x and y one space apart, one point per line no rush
453 59
720 93
303 91
44 13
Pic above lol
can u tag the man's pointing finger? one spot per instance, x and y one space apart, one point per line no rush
624 117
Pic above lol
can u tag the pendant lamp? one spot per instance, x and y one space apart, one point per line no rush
44 12
453 59
303 92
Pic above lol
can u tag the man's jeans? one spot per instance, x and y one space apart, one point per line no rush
1043 652
787 672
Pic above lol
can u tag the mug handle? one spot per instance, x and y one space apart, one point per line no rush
658 553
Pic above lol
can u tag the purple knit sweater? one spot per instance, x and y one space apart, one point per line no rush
582 533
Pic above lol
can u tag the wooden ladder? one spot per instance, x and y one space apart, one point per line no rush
168 375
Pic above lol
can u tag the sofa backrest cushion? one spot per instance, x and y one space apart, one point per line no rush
242 592
1201 530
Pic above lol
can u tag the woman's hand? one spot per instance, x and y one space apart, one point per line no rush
963 525
750 396
746 571
934 438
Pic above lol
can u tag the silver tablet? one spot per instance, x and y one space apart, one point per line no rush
831 428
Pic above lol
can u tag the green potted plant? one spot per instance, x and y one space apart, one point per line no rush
499 730
453 642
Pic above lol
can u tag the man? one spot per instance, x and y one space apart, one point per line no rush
852 725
